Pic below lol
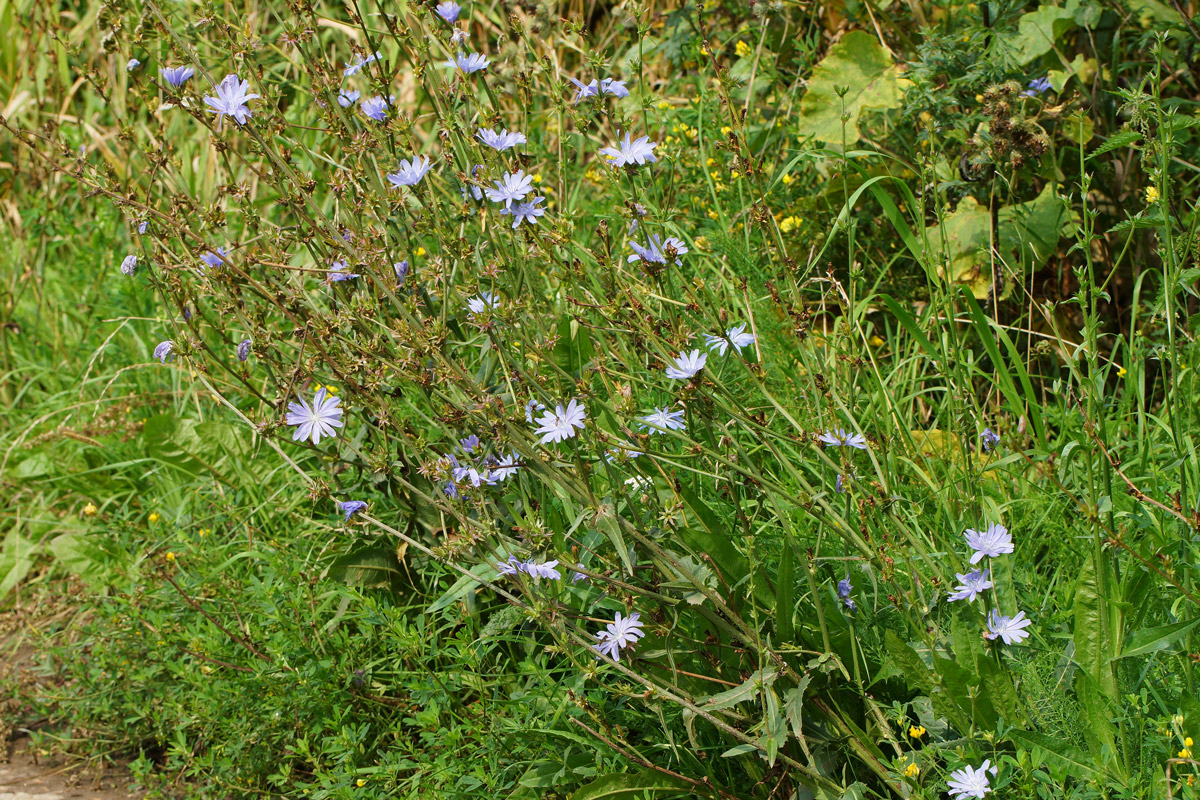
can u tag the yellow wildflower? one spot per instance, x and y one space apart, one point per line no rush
1187 741
726 130
916 731
787 179
701 242
420 251
912 770
90 510
875 341
1151 195
537 177
790 224
712 214
170 556
154 517
733 173
663 104
1122 372
1185 753
742 49
710 162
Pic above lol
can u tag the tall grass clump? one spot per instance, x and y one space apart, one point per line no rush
634 400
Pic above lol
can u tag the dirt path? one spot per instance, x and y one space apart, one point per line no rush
27 778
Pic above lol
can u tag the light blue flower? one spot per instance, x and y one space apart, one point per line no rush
448 10
319 419
351 507
243 350
662 420
347 98
1010 630
164 350
1037 86
687 365
231 99
359 64
129 265
630 151
132 64
995 540
214 258
525 212
844 588
410 172
376 107
501 141
401 270
469 63
513 186
736 336
971 585
176 76
842 438
657 251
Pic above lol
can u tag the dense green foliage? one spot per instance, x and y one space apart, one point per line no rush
962 242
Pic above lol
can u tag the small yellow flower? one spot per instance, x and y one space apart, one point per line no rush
1122 372
787 179
1187 741
360 783
925 117
978 98
790 224
742 49
720 187
537 177
733 173
670 140
710 162
663 104
712 214
204 532
154 517
912 770
1151 195
90 510
916 731
170 556
726 130
705 49
701 242
420 251
1185 753
875 341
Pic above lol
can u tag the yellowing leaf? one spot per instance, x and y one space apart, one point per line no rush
859 63
1038 30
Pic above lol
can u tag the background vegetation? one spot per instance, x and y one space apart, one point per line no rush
941 222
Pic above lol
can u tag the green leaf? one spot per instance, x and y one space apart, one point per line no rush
1058 750
1150 640
861 64
371 566
16 559
748 690
1093 640
909 662
1116 141
647 783
1038 30
1098 729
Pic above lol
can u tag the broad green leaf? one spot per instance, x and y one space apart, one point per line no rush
16 559
1098 729
646 783
859 63
371 566
1151 640
1093 641
1038 30
1058 750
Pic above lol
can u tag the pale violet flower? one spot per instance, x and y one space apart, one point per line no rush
359 64
970 782
514 186
243 349
657 251
231 99
410 172
1011 630
622 632
530 407
337 273
376 107
503 469
993 541
971 585
546 570
661 420
687 365
736 336
448 10
351 507
214 258
989 439
458 38
347 98
561 423
527 211
473 62
483 302
630 151
502 140
132 64
176 76
844 588
842 438
143 225
1037 86
513 566
401 270
129 265
469 444
164 350
596 88
319 419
